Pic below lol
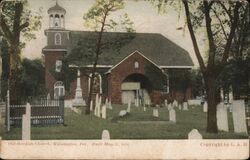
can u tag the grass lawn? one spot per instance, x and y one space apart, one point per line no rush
90 127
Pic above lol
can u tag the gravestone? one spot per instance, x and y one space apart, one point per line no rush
155 113
26 123
239 116
205 107
105 135
122 113
194 134
106 101
222 120
172 115
175 103
95 110
144 109
104 113
166 102
129 106
170 106
185 106
91 105
96 100
179 107
110 105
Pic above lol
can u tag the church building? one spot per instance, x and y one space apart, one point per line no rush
143 68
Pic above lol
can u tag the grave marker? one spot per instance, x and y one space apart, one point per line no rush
222 120
194 134
105 135
239 116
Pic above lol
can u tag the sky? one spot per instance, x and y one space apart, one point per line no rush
143 14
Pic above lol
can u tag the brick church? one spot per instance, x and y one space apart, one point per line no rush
144 68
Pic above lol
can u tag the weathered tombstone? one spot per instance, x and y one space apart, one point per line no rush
105 135
129 106
185 106
104 113
172 115
239 116
144 109
110 105
95 110
222 120
194 134
175 103
106 101
166 102
91 105
99 110
122 113
137 102
96 100
155 113
170 106
26 123
205 107
179 107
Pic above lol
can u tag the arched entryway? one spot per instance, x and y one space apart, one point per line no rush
136 88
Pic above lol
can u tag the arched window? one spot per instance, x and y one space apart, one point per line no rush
136 64
59 90
97 86
57 20
58 39
51 20
62 21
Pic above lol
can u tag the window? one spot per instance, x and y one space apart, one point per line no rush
58 65
97 86
51 20
136 64
57 20
59 90
58 39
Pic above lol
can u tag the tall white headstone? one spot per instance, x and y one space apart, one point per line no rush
129 106
194 134
104 112
175 103
78 100
155 113
172 116
91 105
170 106
26 123
106 101
239 116
222 120
205 107
105 135
96 100
144 109
166 102
179 106
110 105
185 106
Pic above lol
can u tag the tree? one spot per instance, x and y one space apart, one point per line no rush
220 20
5 67
32 78
99 18
16 21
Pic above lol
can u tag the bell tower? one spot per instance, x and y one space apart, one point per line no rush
56 48
57 17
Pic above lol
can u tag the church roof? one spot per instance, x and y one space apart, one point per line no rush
154 46
56 8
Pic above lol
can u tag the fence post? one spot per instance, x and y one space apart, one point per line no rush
61 105
7 117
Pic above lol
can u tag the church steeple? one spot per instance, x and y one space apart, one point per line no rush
56 17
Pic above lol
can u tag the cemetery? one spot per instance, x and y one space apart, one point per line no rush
156 122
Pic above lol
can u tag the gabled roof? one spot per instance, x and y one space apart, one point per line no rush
154 46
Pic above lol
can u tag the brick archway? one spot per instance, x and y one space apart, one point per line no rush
136 86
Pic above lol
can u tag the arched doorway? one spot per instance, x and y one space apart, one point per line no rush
136 88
